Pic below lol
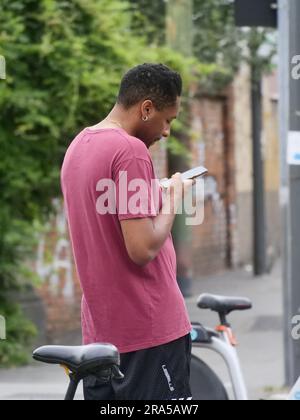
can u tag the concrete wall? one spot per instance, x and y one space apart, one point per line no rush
243 163
271 150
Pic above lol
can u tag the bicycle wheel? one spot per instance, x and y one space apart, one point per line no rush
205 384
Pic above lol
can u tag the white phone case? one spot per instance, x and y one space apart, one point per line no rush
190 174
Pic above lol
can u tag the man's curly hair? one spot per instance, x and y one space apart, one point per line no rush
150 81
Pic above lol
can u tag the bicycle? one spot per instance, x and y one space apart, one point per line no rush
103 360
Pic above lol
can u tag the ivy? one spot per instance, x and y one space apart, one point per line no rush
64 62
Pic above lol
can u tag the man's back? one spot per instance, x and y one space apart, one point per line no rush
131 306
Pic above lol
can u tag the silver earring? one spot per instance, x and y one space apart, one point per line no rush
145 118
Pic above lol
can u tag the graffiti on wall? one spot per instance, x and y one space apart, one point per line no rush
218 207
54 261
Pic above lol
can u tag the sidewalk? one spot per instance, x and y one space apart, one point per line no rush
35 382
259 333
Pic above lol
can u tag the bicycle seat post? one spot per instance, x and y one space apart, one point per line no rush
223 319
72 388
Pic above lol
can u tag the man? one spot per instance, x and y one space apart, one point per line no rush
125 258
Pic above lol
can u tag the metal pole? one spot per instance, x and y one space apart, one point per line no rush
259 237
289 17
258 177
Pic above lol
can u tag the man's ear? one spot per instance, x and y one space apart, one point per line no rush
147 108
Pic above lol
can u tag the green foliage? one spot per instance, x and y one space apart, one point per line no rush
216 39
262 47
149 21
64 62
19 331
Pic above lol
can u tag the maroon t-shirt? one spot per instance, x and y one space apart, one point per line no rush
127 305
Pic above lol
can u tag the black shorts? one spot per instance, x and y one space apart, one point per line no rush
158 373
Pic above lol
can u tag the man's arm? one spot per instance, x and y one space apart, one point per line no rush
145 237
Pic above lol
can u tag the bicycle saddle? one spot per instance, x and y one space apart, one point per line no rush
223 304
80 359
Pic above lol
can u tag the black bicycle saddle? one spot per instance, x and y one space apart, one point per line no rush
223 304
80 359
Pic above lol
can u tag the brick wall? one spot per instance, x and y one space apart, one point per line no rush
159 156
213 246
59 289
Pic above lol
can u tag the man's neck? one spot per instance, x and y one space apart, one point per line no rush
122 119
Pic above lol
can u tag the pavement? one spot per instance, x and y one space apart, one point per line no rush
259 332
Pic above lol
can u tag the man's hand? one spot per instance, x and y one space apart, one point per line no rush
178 190
145 237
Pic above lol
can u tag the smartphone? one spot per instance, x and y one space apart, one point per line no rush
190 174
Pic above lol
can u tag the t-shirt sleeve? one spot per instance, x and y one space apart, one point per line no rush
137 190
